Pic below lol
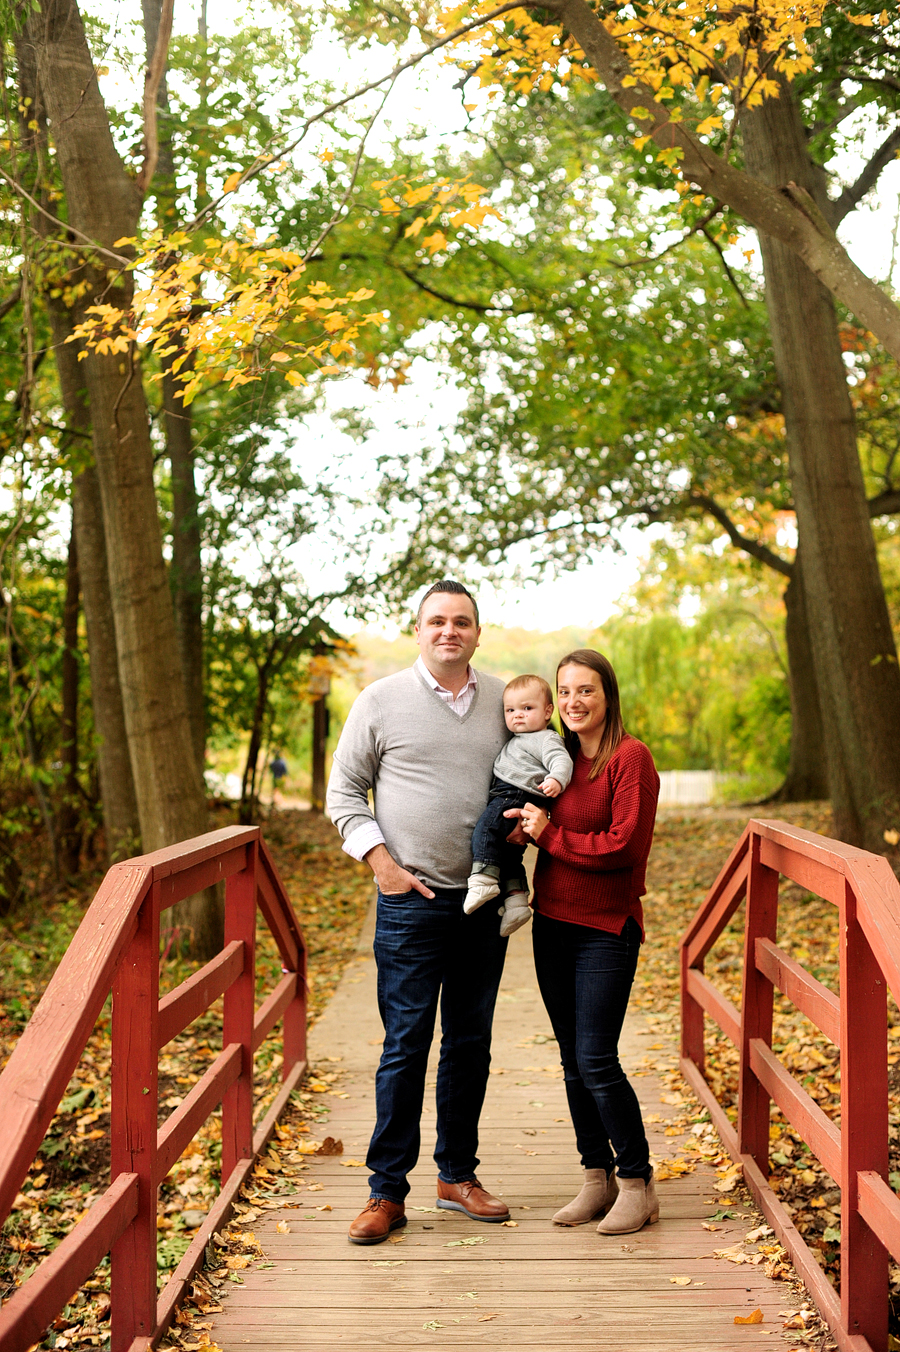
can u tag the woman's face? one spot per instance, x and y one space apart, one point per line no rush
582 702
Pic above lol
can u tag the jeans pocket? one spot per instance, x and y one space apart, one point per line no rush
397 896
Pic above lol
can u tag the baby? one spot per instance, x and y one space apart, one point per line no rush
533 767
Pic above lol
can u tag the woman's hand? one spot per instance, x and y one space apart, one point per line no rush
532 820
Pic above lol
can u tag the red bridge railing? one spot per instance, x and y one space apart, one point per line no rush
867 895
116 950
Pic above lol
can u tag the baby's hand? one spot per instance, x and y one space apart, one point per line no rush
551 788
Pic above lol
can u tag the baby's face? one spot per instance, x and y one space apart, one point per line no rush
526 710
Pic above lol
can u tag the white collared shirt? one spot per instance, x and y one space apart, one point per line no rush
365 838
461 703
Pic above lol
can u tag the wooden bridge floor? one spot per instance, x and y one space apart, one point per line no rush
532 1286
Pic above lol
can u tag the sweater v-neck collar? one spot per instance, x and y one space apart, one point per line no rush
457 718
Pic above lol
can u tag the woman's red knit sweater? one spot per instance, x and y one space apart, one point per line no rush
592 857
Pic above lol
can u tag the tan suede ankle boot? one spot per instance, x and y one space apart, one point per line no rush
597 1193
636 1206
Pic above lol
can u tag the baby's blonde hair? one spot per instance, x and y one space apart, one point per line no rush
521 682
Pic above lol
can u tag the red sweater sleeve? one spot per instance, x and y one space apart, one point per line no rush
635 790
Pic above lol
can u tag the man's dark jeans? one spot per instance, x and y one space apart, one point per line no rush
585 976
428 949
489 843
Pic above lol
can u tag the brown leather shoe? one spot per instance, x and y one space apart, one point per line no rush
376 1221
471 1198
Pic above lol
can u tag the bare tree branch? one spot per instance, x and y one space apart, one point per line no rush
729 274
12 299
852 196
155 72
885 504
751 547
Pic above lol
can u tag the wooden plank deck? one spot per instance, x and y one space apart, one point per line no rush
532 1286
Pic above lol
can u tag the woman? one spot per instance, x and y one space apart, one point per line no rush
588 929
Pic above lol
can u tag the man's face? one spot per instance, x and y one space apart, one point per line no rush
447 634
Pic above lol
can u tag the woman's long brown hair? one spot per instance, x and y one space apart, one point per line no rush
614 728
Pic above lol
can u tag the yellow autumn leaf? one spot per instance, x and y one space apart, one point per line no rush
326 156
412 230
709 124
755 1318
295 378
231 181
353 1164
283 1228
281 356
436 241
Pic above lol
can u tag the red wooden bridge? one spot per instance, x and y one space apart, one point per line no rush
116 951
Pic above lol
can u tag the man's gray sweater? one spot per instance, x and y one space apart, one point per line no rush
430 771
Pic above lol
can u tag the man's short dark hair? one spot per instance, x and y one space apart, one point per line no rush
452 589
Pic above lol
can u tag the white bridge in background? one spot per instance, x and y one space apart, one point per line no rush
688 786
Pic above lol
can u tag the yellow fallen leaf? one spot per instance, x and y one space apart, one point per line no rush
711 1228
283 1228
237 1261
326 1207
755 1318
353 1164
396 1239
513 1225
680 1281
231 182
483 1318
308 1147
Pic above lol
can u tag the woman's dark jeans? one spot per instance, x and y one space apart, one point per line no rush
585 976
428 950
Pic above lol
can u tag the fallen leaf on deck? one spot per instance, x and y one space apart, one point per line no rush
461 1243
326 1207
711 1228
761 1231
514 1225
680 1281
396 1239
353 1164
237 1261
429 1210
283 1228
398 1262
308 1147
330 1146
755 1318
483 1318
432 1324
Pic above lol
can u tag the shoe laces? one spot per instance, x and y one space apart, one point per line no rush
375 1204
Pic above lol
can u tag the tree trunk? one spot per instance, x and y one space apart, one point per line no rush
103 202
853 646
186 572
68 822
249 796
187 569
807 775
319 748
120 814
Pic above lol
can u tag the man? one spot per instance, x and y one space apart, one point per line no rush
425 740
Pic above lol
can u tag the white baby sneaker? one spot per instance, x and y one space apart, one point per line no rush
482 888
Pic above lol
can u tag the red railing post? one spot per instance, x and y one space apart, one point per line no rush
293 1028
133 1112
239 1011
864 1127
756 1007
692 1046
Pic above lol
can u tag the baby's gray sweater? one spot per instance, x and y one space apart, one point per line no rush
430 771
529 757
